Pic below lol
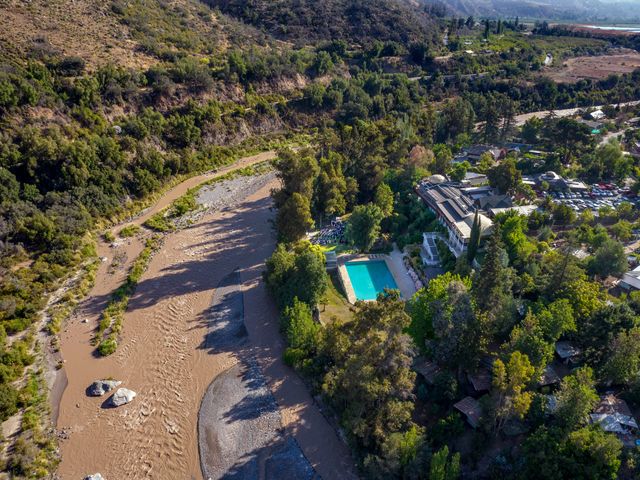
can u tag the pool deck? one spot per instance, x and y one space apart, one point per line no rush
394 264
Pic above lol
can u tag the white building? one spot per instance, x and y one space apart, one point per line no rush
456 212
631 279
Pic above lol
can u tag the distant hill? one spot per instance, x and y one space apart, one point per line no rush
356 21
575 10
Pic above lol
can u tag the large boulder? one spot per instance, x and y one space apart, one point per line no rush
95 476
122 397
100 387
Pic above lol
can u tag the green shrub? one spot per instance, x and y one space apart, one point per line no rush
129 231
107 347
159 223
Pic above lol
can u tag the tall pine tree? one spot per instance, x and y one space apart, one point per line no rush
492 285
474 240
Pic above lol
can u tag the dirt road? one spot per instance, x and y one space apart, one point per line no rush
179 190
163 355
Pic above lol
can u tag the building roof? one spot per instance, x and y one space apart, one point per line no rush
474 176
455 206
613 415
549 377
593 124
612 404
427 369
635 273
480 380
566 350
494 201
470 407
525 210
576 185
437 178
550 176
478 150
477 192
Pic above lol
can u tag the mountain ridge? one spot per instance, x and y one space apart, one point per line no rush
568 10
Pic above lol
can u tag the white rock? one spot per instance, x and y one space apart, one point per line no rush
122 397
95 476
100 387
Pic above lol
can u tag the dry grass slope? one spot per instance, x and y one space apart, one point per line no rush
74 28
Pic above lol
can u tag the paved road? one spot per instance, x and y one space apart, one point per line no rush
567 112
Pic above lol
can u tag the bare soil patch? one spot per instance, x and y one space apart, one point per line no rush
594 68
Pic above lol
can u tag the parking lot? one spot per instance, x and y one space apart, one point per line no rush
594 200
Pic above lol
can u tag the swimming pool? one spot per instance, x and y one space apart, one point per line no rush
369 278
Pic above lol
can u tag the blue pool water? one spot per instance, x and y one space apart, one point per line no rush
369 278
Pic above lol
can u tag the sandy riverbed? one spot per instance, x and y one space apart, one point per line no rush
163 356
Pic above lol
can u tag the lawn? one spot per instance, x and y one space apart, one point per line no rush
337 305
338 248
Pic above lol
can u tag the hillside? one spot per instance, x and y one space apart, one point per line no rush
567 10
355 21
131 33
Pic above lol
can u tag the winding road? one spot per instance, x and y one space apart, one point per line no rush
165 353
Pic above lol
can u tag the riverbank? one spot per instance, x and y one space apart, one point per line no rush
163 356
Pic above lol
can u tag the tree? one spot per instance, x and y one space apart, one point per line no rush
563 214
573 137
556 319
299 272
458 331
182 131
610 162
529 339
442 161
623 366
384 199
598 331
491 127
622 230
531 130
294 220
422 306
541 455
485 163
576 398
518 245
444 468
474 239
609 259
457 117
505 177
363 227
509 383
297 172
331 187
459 171
588 453
302 333
370 381
492 284
591 453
